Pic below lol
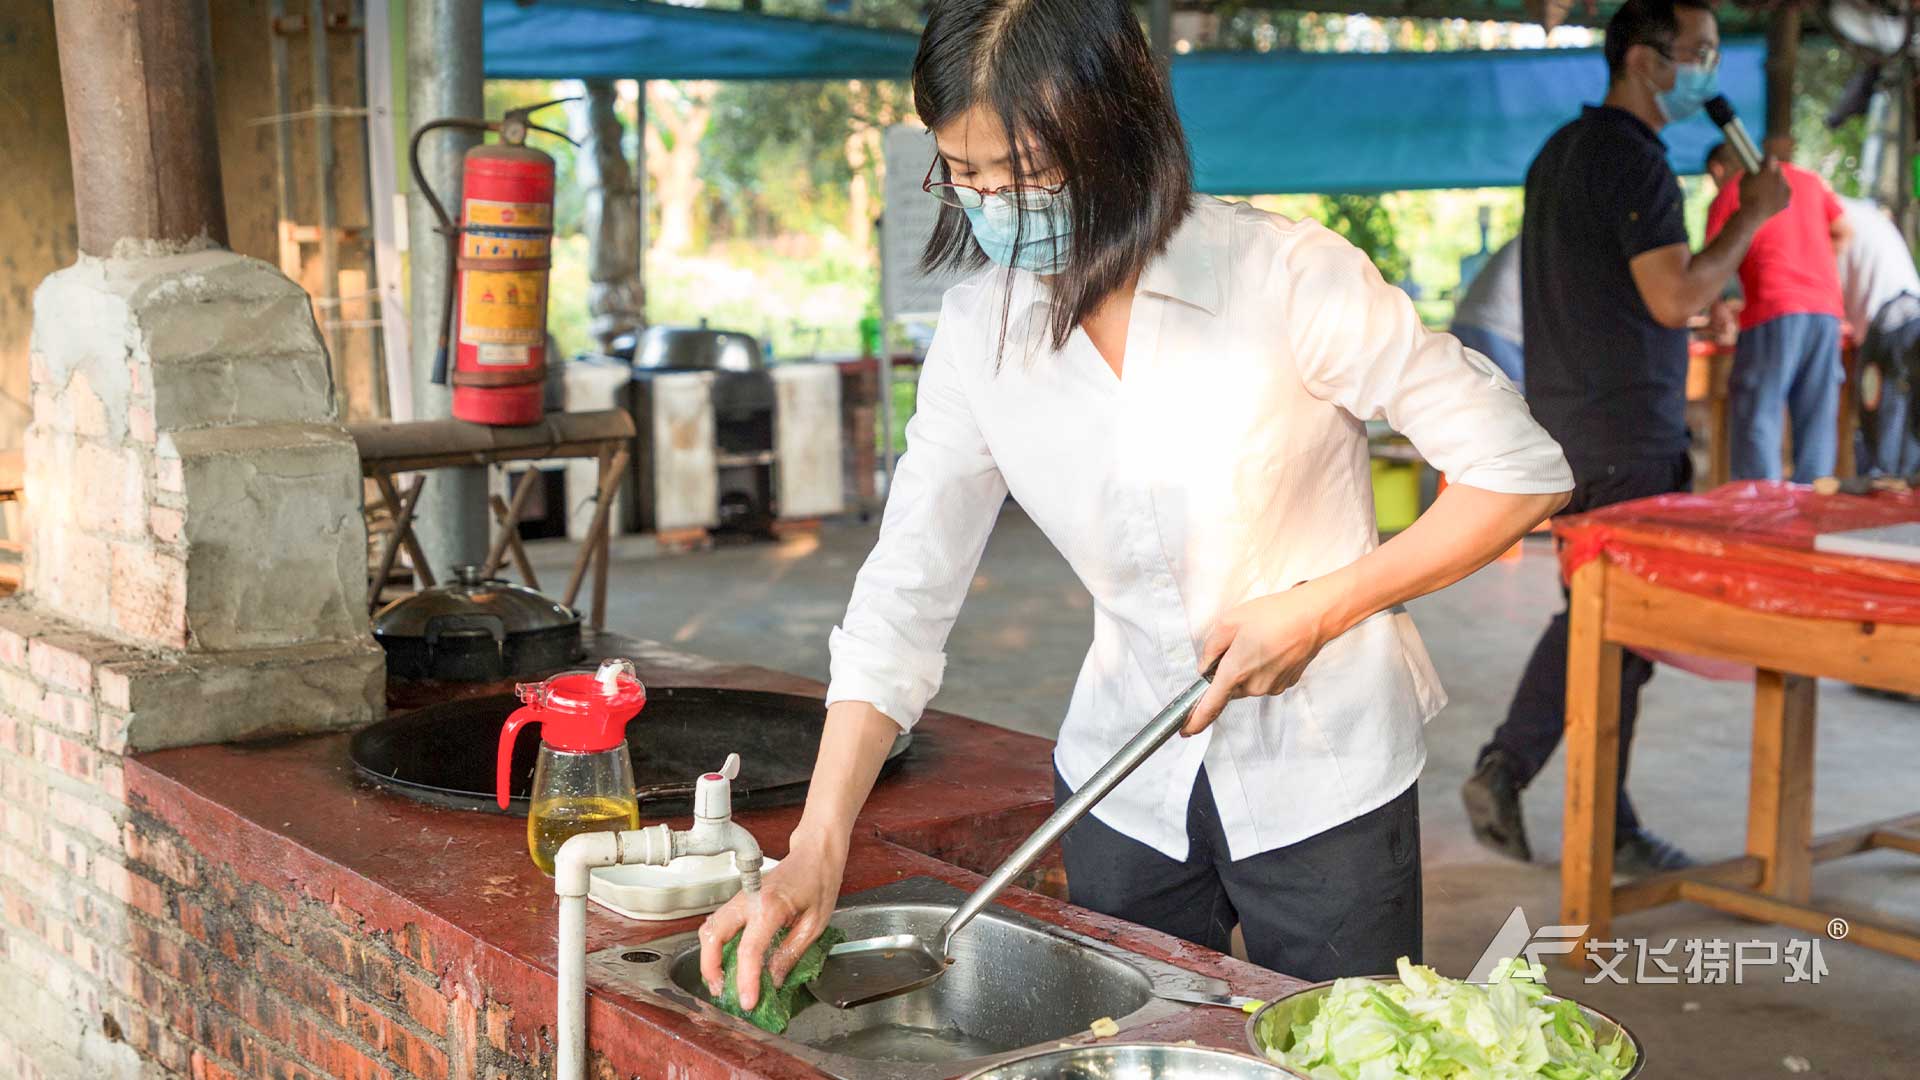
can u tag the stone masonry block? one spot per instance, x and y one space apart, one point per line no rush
205 338
195 698
276 544
184 699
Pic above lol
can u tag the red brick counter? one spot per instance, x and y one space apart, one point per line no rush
292 921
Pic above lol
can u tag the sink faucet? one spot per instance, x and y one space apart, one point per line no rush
714 832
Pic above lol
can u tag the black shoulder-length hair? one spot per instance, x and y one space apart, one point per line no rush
1073 81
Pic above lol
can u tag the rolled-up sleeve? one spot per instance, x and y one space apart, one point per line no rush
1358 343
946 495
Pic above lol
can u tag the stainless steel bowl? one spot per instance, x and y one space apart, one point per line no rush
1135 1061
1301 1006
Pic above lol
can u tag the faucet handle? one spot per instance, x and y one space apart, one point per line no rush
713 792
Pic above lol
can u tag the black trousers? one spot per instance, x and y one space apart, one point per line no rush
1538 716
1344 902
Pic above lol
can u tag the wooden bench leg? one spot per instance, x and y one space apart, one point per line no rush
509 518
1593 762
402 533
1780 789
421 570
509 521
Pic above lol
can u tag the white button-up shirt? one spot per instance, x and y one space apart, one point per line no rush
1226 462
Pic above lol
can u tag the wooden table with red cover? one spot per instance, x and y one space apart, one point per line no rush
1729 582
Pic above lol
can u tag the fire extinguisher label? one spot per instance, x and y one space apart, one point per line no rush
512 215
503 307
503 244
504 355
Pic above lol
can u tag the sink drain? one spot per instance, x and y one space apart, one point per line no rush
640 956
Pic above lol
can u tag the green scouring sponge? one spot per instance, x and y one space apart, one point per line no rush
778 1004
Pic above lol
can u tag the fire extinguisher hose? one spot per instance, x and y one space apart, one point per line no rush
447 228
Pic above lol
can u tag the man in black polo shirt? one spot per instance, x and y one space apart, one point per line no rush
1607 287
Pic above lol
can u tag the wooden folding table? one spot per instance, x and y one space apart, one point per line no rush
1731 575
388 448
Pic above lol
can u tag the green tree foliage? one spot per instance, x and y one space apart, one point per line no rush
1365 222
1834 153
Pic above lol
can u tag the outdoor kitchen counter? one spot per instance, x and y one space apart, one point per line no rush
455 893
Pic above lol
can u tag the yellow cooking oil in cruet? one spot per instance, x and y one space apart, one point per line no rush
583 778
552 822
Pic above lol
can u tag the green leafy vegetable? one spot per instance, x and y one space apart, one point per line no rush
777 1004
1428 1027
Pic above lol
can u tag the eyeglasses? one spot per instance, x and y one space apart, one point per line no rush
1706 56
968 197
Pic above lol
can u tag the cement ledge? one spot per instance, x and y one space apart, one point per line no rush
175 699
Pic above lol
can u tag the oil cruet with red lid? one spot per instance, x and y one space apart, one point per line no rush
583 779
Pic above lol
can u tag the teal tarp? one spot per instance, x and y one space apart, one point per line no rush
1258 122
1286 122
625 39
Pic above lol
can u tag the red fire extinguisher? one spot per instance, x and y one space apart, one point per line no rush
499 255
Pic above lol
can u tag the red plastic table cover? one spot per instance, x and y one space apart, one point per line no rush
1751 544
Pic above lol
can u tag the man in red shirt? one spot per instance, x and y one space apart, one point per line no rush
1788 356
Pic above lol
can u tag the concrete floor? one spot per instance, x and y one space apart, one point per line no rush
1019 642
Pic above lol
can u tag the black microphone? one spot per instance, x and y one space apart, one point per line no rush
1720 111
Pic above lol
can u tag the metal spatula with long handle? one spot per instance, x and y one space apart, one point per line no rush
858 972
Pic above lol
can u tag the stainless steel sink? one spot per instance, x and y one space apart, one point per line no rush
1016 983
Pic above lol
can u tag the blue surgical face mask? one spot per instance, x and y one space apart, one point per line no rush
1693 86
1043 234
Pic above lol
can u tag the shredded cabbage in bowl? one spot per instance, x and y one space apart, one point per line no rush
1429 1027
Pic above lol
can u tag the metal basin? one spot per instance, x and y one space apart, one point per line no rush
1301 1006
1016 984
1135 1061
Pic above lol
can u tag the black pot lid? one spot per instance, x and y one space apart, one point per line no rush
471 600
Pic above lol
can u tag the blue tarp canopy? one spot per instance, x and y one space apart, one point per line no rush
628 39
1359 122
1260 123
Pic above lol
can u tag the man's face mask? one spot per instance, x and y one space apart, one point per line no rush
1693 85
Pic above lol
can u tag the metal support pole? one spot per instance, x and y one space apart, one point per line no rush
1903 145
383 183
282 137
885 361
1160 30
640 195
1873 149
443 79
1783 53
138 84
329 198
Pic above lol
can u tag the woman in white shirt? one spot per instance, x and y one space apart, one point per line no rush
1174 390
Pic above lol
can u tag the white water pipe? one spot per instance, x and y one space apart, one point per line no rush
714 832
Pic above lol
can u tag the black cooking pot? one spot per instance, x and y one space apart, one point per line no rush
690 348
476 630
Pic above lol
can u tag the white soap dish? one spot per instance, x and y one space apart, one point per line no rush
690 885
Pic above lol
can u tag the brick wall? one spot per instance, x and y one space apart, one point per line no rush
196 574
253 957
65 880
240 978
130 948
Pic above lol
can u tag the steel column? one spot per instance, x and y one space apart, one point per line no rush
443 79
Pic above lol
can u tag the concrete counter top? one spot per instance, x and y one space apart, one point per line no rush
454 894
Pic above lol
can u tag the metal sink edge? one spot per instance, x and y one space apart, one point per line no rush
607 968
